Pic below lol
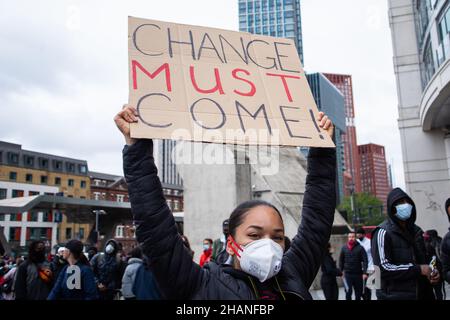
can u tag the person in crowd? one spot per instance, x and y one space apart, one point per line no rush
219 254
106 270
34 277
433 251
129 275
58 262
76 280
92 251
187 245
353 263
366 244
445 248
258 269
207 251
398 249
8 285
329 273
145 286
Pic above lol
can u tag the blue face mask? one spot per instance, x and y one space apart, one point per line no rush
403 211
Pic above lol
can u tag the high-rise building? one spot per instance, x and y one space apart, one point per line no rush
421 43
331 101
167 169
374 173
352 175
277 18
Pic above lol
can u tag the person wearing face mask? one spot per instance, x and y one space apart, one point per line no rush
58 262
106 270
34 277
219 254
207 252
257 267
398 249
445 247
353 263
366 244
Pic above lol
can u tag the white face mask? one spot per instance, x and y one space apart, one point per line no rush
261 258
109 249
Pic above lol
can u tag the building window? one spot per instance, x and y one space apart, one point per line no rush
68 233
176 205
29 177
14 234
57 165
33 216
37 234
15 217
13 158
70 167
81 233
47 217
33 193
28 161
82 168
83 184
57 181
70 182
17 193
120 231
2 194
12 176
43 163
120 197
44 179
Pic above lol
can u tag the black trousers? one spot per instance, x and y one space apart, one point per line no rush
354 282
330 289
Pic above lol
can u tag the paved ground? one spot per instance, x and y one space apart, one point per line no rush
318 294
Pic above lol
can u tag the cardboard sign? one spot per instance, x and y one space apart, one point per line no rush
211 85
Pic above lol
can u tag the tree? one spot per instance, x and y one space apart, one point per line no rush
368 210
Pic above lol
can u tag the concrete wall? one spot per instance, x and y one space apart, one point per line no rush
425 157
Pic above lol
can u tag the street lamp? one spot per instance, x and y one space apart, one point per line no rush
97 213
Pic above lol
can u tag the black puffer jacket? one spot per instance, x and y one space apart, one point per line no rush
445 257
398 253
180 278
353 261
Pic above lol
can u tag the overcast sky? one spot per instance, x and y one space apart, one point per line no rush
64 68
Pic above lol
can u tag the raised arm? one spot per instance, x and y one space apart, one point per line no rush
177 275
310 244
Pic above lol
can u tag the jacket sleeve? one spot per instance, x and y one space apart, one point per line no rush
342 259
364 259
127 284
445 258
177 275
89 285
20 285
57 288
319 202
381 253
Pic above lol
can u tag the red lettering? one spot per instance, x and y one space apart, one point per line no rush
164 67
252 91
283 78
218 82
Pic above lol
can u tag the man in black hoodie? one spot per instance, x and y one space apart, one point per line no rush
106 270
398 249
445 247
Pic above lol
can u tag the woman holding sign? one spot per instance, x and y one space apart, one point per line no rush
257 267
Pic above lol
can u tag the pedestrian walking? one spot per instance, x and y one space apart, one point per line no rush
353 263
329 273
366 244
